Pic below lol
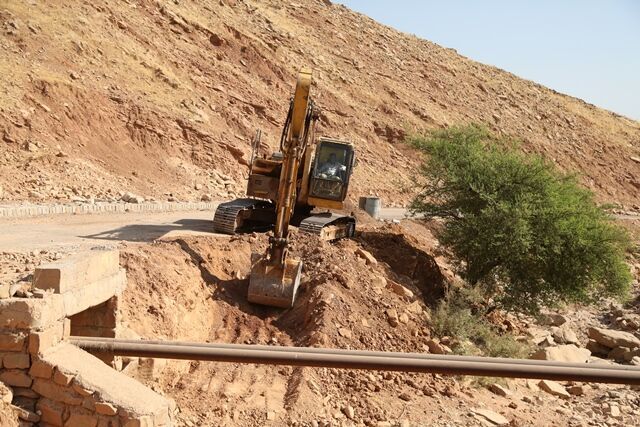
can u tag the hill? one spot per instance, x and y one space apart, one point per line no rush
162 98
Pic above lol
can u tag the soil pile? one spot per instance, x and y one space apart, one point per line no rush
355 294
161 98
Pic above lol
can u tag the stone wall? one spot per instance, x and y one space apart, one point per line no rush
55 383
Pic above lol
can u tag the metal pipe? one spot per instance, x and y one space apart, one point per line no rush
442 365
314 350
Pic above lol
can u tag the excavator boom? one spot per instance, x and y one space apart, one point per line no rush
275 277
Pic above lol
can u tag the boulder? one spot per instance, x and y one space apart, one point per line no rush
563 353
564 335
612 339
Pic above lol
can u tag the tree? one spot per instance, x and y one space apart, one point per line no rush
523 232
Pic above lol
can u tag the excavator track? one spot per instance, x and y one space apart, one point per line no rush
231 217
329 226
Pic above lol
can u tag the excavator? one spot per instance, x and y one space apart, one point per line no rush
288 188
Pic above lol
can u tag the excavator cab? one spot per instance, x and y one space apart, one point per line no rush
331 172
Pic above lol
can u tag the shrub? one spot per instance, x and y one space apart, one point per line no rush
523 232
455 317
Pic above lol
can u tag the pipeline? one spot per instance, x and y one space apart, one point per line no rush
352 359
426 356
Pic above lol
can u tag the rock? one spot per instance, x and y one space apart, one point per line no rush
563 353
1 192
366 255
392 317
564 335
349 412
404 318
635 361
216 40
6 394
629 355
206 198
596 348
554 388
435 347
553 319
27 415
614 411
398 289
491 416
499 390
635 159
379 282
132 198
612 339
344 332
271 416
405 396
576 390
618 353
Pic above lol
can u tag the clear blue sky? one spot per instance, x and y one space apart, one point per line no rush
585 48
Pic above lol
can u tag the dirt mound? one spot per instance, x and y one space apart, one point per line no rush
161 98
355 294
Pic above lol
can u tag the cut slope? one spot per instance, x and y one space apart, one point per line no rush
162 98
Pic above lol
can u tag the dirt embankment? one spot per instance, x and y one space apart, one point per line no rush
162 98
195 289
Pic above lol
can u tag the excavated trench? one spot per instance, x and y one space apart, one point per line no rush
194 289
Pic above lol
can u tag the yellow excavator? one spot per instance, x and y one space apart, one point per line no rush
288 188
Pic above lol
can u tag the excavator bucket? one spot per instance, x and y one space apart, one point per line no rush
274 285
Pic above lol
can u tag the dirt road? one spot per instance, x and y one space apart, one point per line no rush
72 232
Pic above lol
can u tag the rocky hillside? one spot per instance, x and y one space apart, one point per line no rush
162 97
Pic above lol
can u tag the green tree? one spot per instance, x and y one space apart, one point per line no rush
523 232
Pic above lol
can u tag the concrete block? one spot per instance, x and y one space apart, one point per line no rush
95 293
47 338
40 369
11 341
77 271
15 378
16 361
22 313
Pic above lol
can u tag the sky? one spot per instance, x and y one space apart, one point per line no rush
585 48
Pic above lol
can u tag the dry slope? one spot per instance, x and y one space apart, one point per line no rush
161 98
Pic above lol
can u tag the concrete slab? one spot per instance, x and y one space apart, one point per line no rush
76 271
94 293
111 386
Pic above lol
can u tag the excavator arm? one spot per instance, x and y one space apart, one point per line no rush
275 277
